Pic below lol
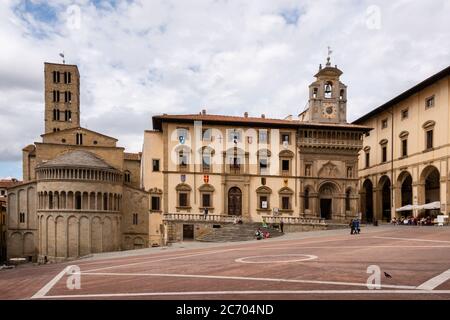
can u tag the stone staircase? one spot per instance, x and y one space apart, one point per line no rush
236 232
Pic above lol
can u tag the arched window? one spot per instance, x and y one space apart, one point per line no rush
315 91
127 176
342 94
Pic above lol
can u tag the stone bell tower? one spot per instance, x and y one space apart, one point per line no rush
62 97
328 96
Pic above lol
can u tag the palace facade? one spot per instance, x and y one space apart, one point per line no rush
406 157
80 192
255 167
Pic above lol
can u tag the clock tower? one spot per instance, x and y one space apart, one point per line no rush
327 96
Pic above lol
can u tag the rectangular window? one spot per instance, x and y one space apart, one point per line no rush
384 124
285 205
67 77
67 96
263 136
56 76
135 218
285 165
383 154
183 199
430 139
263 202
206 200
429 102
206 162
79 137
404 114
155 164
156 203
206 134
367 159
404 147
285 138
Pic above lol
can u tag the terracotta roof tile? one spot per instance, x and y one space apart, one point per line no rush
249 121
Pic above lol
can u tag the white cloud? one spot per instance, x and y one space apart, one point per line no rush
142 58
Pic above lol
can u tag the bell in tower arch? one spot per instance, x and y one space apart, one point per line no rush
328 89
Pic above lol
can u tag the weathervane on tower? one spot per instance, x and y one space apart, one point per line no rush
329 55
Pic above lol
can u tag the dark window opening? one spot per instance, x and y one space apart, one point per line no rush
155 164
135 218
285 203
182 199
78 201
155 203
384 154
367 159
430 139
79 138
56 76
404 148
206 200
285 165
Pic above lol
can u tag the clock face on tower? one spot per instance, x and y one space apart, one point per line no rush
328 110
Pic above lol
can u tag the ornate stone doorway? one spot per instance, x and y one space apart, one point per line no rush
235 201
326 192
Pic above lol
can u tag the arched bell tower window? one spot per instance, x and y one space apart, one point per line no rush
315 91
328 89
341 94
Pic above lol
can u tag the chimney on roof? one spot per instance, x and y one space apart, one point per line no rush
246 114
263 116
203 112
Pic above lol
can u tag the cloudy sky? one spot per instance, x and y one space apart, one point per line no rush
141 58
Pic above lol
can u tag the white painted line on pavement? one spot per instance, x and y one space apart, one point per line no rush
409 239
243 278
247 292
45 289
436 281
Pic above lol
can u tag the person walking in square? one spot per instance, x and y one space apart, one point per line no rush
282 226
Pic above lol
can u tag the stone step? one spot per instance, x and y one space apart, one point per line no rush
232 232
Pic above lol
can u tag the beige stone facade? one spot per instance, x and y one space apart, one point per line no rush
255 167
405 159
81 192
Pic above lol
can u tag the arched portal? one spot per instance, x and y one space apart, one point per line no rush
367 201
430 188
235 201
326 193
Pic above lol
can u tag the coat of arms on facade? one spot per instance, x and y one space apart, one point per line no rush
181 139
183 178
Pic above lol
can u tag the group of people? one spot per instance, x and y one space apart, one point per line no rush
261 234
355 226
412 221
